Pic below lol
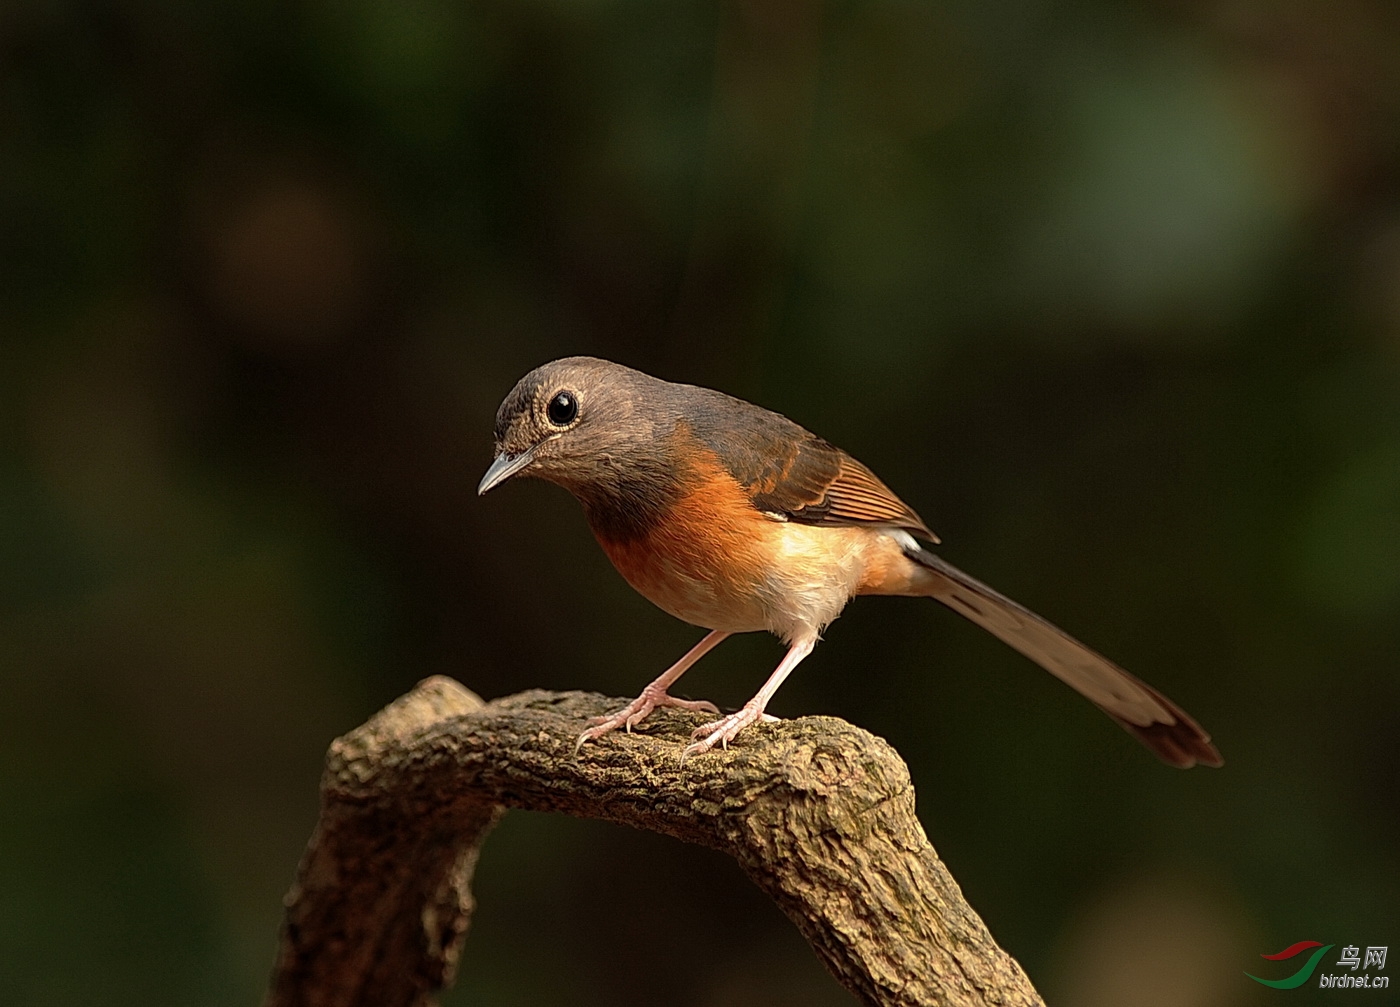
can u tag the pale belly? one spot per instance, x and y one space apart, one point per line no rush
789 579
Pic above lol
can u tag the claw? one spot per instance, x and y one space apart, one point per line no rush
721 732
637 711
655 695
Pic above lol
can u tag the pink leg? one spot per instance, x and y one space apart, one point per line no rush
722 731
655 695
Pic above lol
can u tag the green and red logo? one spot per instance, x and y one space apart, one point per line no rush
1304 972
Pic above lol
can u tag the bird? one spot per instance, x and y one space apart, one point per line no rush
736 519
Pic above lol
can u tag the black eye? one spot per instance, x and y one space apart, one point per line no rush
562 409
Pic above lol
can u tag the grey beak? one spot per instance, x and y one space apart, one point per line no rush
503 468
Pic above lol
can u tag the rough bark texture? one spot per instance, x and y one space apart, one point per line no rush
819 813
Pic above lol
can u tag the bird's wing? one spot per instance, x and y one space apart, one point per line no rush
823 485
787 470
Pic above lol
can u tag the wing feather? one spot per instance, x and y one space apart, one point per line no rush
788 470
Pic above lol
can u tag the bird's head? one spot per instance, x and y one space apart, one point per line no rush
574 422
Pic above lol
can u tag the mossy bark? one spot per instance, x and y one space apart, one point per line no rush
819 813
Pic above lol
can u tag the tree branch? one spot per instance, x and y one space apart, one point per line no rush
819 813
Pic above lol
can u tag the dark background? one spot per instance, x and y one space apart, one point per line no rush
1111 296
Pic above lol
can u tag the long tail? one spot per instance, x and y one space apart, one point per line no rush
1144 712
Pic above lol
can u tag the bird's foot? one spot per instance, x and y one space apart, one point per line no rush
721 732
637 711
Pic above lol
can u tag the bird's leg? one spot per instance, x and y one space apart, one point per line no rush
655 695
722 731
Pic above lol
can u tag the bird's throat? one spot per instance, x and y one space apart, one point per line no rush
625 510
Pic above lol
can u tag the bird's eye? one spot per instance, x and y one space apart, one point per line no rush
562 409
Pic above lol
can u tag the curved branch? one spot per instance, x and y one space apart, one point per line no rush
819 813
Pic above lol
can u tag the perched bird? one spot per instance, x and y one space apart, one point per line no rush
736 519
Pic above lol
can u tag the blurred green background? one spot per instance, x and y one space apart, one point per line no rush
1110 295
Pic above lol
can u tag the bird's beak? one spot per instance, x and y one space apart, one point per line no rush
505 466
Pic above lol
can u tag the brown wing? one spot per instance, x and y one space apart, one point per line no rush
788 470
824 485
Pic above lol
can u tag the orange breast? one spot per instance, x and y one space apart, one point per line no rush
705 561
714 560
